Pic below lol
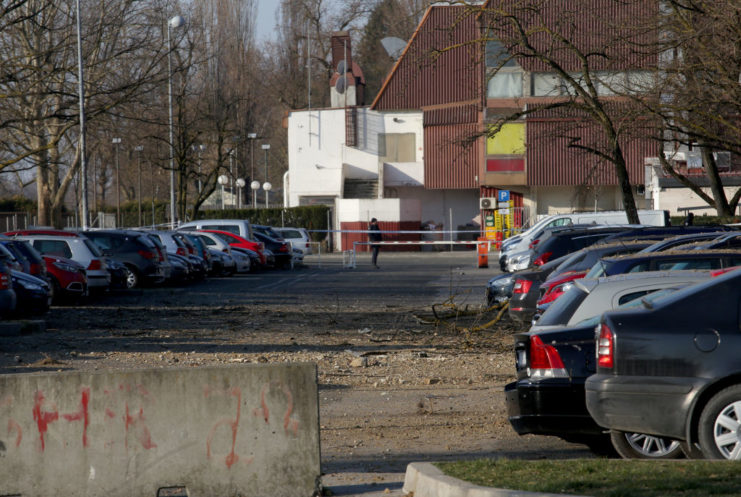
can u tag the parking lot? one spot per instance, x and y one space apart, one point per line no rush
392 389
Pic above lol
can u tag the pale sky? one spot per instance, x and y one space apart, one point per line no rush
265 24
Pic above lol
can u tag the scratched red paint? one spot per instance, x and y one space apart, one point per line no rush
232 457
263 404
13 425
83 414
142 432
287 416
42 418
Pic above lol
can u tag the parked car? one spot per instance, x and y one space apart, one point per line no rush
298 238
281 250
665 261
7 294
570 240
67 278
135 251
553 362
238 241
33 295
241 227
198 252
33 263
672 368
73 246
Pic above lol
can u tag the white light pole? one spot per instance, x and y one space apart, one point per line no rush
240 185
138 150
267 187
231 175
116 142
81 91
174 23
223 180
252 137
255 185
266 147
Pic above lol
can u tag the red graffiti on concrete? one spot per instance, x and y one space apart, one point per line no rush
141 430
289 423
43 418
134 420
83 414
13 425
233 423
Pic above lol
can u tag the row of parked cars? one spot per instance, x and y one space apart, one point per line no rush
631 340
41 265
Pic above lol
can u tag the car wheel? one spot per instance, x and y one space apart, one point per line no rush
132 278
720 425
641 446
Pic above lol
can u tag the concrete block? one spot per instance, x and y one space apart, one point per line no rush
248 430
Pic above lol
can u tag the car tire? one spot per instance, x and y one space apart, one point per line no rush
720 425
640 446
132 278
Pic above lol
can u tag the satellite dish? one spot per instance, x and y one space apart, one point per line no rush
340 85
393 46
341 67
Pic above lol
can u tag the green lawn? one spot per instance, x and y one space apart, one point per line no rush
604 477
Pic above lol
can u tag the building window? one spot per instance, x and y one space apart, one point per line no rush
504 75
397 147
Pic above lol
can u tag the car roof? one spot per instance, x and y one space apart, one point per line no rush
631 279
674 253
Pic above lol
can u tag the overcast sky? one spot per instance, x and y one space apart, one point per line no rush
265 25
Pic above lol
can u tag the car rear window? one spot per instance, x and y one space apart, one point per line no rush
93 248
230 228
563 308
291 234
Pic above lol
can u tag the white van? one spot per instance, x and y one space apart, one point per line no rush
241 227
521 242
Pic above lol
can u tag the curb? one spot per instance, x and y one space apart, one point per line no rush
425 480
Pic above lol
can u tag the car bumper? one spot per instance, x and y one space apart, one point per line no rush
549 407
521 307
644 404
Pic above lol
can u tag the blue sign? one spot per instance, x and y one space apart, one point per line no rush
503 196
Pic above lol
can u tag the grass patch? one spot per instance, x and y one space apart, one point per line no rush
604 477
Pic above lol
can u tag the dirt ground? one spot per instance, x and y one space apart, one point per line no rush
394 387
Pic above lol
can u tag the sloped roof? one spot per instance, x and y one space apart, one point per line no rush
440 65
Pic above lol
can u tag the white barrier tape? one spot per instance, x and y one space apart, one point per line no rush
352 264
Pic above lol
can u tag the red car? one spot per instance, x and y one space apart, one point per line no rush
67 277
238 241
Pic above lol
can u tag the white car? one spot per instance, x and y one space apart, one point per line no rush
298 237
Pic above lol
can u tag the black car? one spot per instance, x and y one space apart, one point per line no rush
673 369
280 248
132 248
33 295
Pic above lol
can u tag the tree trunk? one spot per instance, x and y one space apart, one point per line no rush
621 170
716 185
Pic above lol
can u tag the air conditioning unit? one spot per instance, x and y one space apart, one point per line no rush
488 203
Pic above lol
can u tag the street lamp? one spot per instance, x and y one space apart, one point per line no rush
138 150
231 175
240 185
174 23
223 180
81 94
267 187
116 142
251 137
255 185
266 147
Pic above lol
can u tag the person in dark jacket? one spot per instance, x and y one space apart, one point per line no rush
374 235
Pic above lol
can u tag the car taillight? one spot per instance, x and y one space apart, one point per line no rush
180 251
522 286
542 258
283 248
605 347
5 281
95 265
147 254
534 243
545 362
160 255
553 293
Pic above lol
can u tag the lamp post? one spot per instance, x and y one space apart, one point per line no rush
231 175
199 149
240 185
251 137
116 142
174 23
138 150
266 147
267 187
223 180
255 185
83 157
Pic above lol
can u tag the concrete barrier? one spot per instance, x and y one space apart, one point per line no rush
248 430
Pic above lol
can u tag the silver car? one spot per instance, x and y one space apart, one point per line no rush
589 298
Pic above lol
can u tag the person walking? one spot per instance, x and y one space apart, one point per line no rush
374 235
